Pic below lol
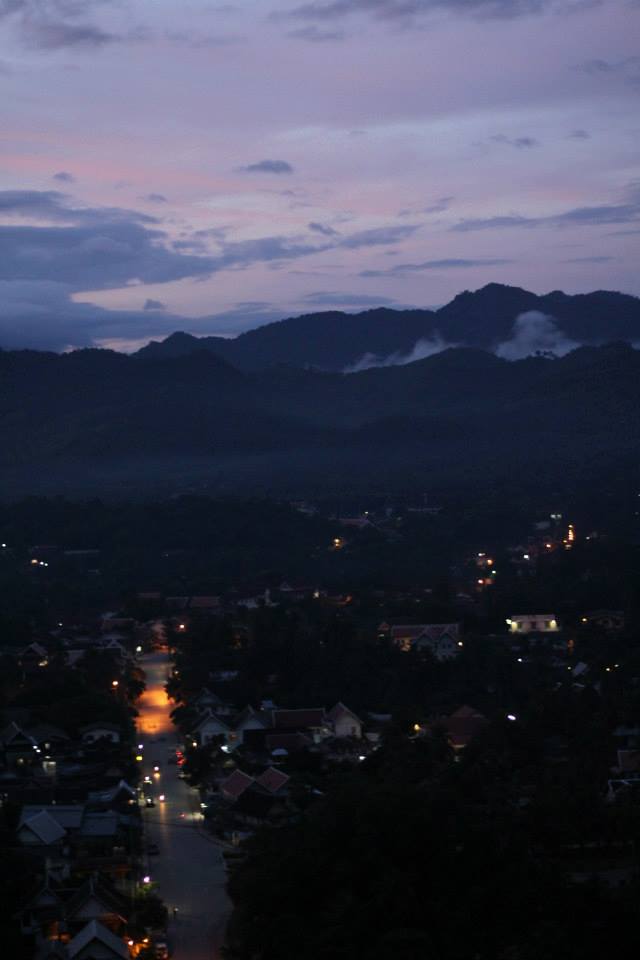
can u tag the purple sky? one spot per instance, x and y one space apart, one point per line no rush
212 166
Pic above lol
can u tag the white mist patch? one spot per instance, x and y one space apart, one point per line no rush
535 333
420 351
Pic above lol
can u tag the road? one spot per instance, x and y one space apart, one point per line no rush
190 869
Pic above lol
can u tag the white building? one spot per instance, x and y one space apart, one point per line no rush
533 623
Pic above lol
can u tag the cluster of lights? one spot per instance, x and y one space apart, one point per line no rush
34 562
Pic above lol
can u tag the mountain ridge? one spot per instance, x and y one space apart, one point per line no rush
336 341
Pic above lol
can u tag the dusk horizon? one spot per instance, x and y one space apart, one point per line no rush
276 159
319 479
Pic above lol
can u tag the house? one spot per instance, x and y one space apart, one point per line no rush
44 909
20 749
235 785
313 722
97 942
533 623
68 816
119 797
273 781
249 719
94 900
40 830
255 806
441 639
209 727
101 730
206 700
343 722
33 657
463 725
608 620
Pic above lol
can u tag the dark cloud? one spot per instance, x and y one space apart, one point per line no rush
154 305
440 205
405 11
267 166
379 236
520 143
627 69
323 229
64 177
197 41
94 256
154 198
596 66
87 248
56 35
578 135
594 259
402 269
315 35
599 215
333 298
59 207
42 315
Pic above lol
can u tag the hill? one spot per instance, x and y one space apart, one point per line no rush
98 420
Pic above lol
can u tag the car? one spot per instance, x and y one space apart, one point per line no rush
149 802
161 950
153 849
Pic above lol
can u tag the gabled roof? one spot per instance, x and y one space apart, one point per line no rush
94 930
236 784
44 827
299 719
340 710
108 796
250 714
467 713
463 725
208 717
35 648
96 889
272 780
67 815
12 733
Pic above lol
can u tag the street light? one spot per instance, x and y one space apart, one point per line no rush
114 684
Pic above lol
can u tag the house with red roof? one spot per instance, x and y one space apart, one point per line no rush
272 780
463 725
235 785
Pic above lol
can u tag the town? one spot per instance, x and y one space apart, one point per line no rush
218 713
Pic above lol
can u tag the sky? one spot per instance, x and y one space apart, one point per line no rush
211 167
